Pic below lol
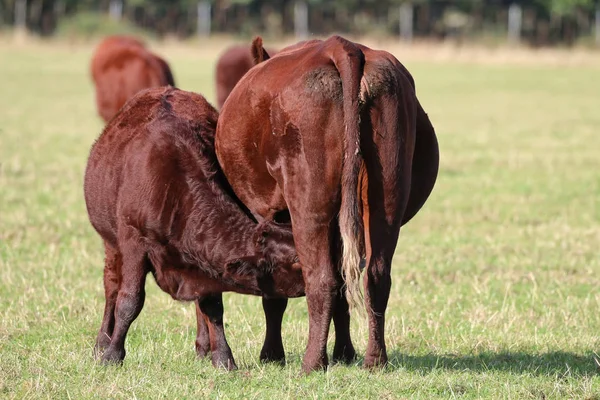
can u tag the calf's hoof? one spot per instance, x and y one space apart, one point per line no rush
102 343
202 349
224 361
112 356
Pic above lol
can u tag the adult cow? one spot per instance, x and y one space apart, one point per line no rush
122 66
333 132
233 63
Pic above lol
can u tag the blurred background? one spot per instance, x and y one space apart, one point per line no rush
532 23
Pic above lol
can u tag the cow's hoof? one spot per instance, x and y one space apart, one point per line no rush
375 362
311 364
344 355
271 355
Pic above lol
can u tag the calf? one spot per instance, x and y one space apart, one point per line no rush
155 195
121 67
332 132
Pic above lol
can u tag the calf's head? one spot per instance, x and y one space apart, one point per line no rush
273 267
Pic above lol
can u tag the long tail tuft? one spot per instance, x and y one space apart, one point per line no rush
349 61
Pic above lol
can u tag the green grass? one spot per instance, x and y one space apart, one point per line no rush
496 283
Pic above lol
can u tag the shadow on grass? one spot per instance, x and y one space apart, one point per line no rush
552 363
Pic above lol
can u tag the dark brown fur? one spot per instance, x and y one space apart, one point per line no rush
121 67
368 155
233 63
156 196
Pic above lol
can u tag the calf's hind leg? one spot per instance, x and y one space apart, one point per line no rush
112 270
130 300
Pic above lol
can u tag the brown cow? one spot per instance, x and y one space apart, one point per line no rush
333 132
121 67
156 196
231 66
233 63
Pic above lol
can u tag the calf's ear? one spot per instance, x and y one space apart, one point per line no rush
259 54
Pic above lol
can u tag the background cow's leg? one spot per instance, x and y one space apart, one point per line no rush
272 349
343 351
202 336
112 269
212 308
130 300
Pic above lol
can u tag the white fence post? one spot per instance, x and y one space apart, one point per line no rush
300 19
515 20
20 14
59 9
115 9
406 21
597 26
203 25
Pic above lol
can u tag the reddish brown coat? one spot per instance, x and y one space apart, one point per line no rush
333 132
122 66
156 196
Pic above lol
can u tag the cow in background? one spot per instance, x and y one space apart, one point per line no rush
122 66
233 63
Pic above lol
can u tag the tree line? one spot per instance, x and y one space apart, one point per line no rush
543 21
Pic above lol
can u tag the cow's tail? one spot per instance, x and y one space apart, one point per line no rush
349 61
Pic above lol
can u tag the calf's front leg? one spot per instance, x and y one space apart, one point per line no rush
212 309
202 336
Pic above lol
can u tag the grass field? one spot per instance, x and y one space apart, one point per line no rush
496 283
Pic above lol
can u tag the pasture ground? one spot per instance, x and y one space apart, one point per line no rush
496 283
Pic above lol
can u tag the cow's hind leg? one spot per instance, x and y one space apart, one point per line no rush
112 269
130 300
212 308
343 351
313 242
377 291
387 139
272 350
202 335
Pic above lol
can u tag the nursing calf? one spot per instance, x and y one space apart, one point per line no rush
121 67
156 196
333 133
